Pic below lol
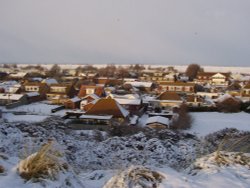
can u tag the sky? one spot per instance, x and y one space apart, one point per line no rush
174 32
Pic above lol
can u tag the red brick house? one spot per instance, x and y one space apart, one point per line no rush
91 89
108 106
177 86
73 103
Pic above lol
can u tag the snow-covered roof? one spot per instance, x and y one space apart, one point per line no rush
140 84
18 75
128 101
75 99
32 94
158 119
37 79
223 97
50 81
95 117
11 96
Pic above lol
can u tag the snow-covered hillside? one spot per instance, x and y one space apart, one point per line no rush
97 159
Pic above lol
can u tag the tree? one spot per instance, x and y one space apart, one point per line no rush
55 71
192 71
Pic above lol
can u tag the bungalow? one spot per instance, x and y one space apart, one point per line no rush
59 93
86 90
131 102
10 87
158 122
33 97
108 106
142 86
245 92
73 103
108 81
12 100
177 86
97 120
169 99
41 88
88 101
18 76
194 100
49 81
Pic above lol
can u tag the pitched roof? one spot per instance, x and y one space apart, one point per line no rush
34 84
158 119
140 84
191 98
177 83
108 106
210 74
11 96
247 86
169 96
99 90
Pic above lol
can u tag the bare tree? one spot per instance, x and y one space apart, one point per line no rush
184 120
192 71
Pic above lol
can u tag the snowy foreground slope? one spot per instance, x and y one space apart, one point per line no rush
148 159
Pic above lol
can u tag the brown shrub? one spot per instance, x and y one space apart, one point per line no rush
229 105
184 121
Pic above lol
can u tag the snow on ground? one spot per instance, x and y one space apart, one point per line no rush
9 117
36 112
209 122
36 108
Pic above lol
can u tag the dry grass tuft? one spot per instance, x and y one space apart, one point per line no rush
44 164
241 144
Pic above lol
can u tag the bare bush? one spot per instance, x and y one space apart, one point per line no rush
184 120
229 105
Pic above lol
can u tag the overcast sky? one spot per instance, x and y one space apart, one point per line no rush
207 32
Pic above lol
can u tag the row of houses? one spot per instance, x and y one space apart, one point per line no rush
105 100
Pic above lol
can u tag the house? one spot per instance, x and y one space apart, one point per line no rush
131 102
88 101
95 121
218 79
91 89
142 86
186 87
10 87
152 75
33 97
169 99
245 92
73 103
41 88
194 100
59 93
158 122
12 100
170 77
108 106
49 81
108 81
18 75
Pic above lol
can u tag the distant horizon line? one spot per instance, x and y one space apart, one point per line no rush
117 64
